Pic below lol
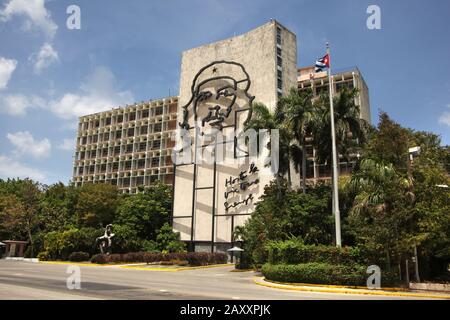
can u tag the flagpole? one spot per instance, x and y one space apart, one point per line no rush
337 214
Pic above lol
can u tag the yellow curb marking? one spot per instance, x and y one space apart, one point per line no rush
310 288
332 286
176 269
81 264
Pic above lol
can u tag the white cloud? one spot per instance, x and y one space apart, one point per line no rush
17 104
10 168
44 58
98 93
67 145
34 12
445 117
25 144
7 67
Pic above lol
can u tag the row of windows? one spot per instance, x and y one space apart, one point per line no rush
127 133
126 182
124 166
279 63
124 149
323 88
120 118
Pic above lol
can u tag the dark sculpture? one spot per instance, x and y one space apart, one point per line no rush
225 87
105 242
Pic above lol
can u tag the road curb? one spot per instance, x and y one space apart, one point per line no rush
81 264
176 269
346 290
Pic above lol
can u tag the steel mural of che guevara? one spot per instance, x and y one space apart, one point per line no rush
219 95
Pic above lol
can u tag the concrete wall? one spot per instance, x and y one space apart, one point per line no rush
257 52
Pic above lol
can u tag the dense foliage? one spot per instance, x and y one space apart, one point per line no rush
59 220
190 258
389 206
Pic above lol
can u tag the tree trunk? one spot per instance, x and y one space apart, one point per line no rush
30 237
304 166
289 175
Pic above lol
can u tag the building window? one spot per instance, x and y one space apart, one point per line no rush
140 181
155 162
132 116
279 61
279 83
105 152
279 35
130 132
142 146
115 166
145 113
278 51
144 129
116 150
157 127
106 136
127 165
156 144
141 163
158 111
108 121
120 119
80 170
129 148
126 182
118 134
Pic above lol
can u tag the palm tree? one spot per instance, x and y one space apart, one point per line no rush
298 111
263 118
349 127
380 194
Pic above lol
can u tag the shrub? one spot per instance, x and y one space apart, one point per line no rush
100 259
79 256
294 251
193 258
115 258
323 273
43 256
151 257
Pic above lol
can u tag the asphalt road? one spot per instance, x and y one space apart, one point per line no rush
27 280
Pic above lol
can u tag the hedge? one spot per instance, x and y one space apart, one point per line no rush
294 251
79 256
193 258
324 273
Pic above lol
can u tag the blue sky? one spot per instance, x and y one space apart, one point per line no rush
129 51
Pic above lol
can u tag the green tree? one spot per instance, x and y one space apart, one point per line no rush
263 118
146 211
350 129
381 215
169 241
95 204
19 205
298 113
294 214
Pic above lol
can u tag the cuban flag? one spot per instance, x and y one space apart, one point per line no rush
322 63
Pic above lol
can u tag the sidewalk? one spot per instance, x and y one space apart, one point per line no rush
347 290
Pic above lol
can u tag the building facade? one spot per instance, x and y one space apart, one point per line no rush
127 147
135 145
219 82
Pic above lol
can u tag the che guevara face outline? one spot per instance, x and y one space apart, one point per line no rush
201 93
